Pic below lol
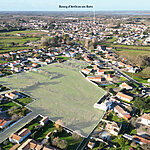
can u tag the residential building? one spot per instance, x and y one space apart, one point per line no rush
19 137
113 127
91 145
30 144
145 119
44 120
11 96
121 112
96 79
141 140
4 123
86 71
125 97
125 86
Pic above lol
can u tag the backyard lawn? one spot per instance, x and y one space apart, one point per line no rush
24 101
42 132
8 105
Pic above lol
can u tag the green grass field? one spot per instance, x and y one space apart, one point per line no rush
8 39
132 53
62 93
24 101
8 105
132 47
24 32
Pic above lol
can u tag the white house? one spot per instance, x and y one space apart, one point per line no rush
145 119
44 120
11 96
86 71
125 86
125 97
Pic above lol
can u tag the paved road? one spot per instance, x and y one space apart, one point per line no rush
125 75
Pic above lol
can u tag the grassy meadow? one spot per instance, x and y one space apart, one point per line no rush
61 93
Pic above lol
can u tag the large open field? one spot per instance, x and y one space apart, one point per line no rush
132 53
9 41
61 93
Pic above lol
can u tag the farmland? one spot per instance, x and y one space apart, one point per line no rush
61 93
130 53
10 41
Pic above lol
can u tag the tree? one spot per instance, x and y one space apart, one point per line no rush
142 104
145 146
58 123
55 141
6 142
75 136
121 141
14 117
101 146
62 144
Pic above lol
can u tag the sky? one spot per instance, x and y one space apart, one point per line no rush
53 5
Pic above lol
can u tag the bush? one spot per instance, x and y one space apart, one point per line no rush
55 141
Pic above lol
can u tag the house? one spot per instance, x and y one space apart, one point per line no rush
19 137
72 54
113 127
50 148
120 64
87 59
109 77
125 97
34 64
48 135
141 140
104 105
11 96
96 79
145 119
86 71
91 145
95 67
4 123
100 72
30 144
121 112
17 69
48 61
44 121
125 86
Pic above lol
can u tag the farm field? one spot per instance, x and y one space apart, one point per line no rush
9 41
61 93
132 53
132 47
